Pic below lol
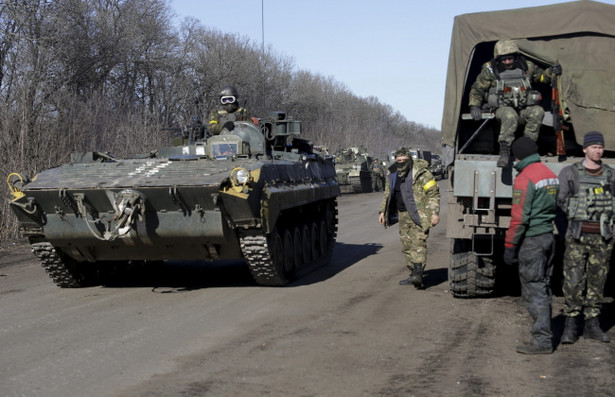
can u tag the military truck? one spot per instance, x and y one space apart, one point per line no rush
258 193
580 36
353 168
417 153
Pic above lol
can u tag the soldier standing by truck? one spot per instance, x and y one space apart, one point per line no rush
505 82
529 240
586 197
230 112
412 198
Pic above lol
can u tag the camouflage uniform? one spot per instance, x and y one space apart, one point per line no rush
511 116
413 234
218 117
587 256
586 266
377 176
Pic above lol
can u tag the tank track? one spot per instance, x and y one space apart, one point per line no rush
256 251
346 189
259 254
54 263
355 182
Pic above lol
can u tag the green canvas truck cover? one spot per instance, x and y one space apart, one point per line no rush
580 35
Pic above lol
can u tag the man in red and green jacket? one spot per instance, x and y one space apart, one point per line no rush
529 240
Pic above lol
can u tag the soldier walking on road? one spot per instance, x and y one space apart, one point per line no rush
505 83
412 198
529 240
586 197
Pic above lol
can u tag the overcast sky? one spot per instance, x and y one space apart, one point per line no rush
395 50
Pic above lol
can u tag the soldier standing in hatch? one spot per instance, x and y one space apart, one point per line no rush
586 197
507 79
412 198
529 240
230 112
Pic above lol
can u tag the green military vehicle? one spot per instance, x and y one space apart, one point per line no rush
436 167
580 35
257 193
354 169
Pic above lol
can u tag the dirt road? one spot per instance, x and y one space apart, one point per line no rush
193 329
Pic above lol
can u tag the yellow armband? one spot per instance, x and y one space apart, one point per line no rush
429 185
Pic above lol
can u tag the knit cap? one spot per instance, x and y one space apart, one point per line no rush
402 151
524 147
593 138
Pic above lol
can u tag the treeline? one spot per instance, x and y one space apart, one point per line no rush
111 75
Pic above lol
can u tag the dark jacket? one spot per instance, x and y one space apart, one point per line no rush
423 187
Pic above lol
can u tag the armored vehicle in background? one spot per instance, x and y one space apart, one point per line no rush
421 154
436 167
580 36
257 193
354 170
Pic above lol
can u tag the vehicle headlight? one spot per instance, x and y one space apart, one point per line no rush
240 176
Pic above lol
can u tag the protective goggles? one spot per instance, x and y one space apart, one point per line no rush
227 99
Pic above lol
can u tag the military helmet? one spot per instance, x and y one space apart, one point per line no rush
228 98
505 47
229 90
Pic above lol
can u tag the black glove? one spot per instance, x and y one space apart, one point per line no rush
229 125
557 69
476 112
510 256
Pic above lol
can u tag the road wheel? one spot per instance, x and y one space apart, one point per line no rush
298 247
306 244
323 237
289 255
314 241
277 251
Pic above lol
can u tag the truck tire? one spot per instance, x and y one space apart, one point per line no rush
470 275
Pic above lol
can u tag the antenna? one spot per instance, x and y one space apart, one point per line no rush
263 69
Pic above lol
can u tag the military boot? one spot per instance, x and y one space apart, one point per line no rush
417 275
408 280
592 330
570 331
504 155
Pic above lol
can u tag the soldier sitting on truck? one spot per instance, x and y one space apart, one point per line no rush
505 83
230 112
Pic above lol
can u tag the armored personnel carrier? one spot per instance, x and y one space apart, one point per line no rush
354 170
574 34
436 167
258 193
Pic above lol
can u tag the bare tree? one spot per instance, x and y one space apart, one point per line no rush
108 75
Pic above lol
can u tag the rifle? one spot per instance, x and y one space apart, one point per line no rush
556 110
